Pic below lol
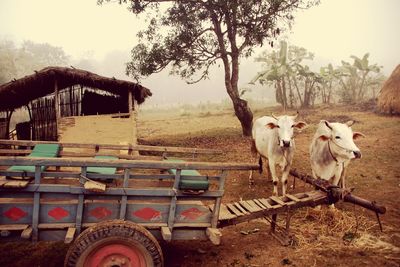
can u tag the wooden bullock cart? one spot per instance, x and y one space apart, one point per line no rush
143 201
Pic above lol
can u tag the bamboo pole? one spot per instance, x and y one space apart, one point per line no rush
57 107
132 116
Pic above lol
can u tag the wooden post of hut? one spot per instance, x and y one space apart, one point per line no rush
57 107
132 116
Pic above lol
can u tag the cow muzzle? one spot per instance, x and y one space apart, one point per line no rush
285 143
357 154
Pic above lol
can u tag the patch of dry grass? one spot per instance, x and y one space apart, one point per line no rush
318 229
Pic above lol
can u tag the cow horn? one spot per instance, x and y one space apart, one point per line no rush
297 114
327 124
350 123
273 116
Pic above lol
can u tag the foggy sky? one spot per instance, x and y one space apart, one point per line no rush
334 30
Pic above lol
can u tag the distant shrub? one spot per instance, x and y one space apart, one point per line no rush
205 114
185 114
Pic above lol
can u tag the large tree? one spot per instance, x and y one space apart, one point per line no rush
193 35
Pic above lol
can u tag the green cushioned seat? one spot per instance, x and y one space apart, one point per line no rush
200 183
187 184
103 170
39 151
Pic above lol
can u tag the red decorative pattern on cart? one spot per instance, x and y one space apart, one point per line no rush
148 214
15 213
58 213
191 214
100 212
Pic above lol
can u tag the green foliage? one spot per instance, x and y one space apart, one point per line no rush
284 67
356 78
8 68
192 36
17 62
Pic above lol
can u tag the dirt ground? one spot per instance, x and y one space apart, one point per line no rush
347 236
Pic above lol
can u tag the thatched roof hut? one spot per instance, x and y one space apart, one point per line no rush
55 93
389 96
18 93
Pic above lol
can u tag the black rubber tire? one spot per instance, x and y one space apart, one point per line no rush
127 232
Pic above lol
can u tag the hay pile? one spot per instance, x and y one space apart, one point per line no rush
334 228
389 96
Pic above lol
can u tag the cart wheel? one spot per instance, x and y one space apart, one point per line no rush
115 243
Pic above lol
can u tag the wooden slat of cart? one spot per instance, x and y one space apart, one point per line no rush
277 200
306 198
26 233
254 205
13 227
237 205
261 205
247 206
8 183
265 202
224 213
235 210
291 197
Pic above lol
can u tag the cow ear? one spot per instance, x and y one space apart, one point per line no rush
300 125
271 125
350 123
357 135
323 138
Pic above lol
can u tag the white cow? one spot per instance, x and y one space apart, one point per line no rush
331 150
273 140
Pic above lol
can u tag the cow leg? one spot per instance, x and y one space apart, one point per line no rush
251 180
269 173
284 179
255 155
338 175
271 165
344 178
343 182
337 178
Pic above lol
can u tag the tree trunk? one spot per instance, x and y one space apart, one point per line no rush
323 94
291 94
361 91
306 94
279 96
298 92
329 93
242 110
284 97
241 107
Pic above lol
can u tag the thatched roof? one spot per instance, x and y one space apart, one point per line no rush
18 93
389 96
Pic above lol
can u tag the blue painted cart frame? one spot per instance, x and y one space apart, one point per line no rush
55 205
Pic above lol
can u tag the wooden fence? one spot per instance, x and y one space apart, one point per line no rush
44 126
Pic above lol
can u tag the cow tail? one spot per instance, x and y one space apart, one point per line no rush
260 165
253 147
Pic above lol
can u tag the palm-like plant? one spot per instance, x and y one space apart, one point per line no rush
364 69
354 76
276 69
